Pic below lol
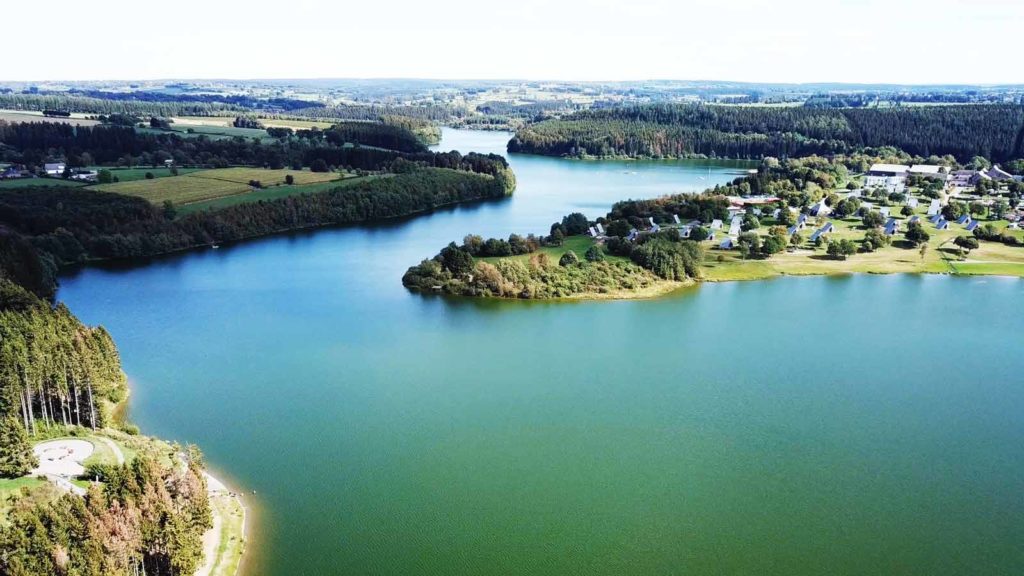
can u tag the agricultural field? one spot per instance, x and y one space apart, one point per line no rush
205 185
34 116
32 182
132 174
226 121
273 193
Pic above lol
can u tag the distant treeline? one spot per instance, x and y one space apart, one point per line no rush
680 130
34 143
239 100
431 112
88 105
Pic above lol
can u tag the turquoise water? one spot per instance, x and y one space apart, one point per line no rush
852 425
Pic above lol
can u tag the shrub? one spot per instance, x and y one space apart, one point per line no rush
568 259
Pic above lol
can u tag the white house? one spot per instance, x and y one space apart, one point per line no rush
716 224
55 169
933 208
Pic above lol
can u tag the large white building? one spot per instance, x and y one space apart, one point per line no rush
892 177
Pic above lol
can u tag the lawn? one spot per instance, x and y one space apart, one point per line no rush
207 185
940 256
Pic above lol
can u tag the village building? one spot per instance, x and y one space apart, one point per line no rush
892 177
54 169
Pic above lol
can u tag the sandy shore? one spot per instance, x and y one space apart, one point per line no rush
223 544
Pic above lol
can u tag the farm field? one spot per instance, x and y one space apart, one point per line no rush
225 121
209 184
32 182
272 193
131 174
34 116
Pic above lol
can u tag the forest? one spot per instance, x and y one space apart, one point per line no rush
680 130
59 377
71 225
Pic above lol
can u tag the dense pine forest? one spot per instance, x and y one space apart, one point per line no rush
58 377
679 130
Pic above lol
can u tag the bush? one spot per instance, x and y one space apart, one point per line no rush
149 176
568 259
594 254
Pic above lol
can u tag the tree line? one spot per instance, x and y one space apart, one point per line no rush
72 225
680 130
34 143
53 369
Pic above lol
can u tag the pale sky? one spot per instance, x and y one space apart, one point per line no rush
892 41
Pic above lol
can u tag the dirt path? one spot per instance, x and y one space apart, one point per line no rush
118 454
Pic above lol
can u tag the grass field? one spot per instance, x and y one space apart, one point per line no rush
271 193
266 177
30 182
132 174
208 185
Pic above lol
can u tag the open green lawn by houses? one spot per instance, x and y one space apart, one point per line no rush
206 185
941 256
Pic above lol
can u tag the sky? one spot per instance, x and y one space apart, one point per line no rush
885 41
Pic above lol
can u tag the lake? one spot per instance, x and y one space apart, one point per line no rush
847 425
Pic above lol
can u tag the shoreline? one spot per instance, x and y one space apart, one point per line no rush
667 288
224 545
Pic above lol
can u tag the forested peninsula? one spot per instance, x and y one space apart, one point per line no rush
995 132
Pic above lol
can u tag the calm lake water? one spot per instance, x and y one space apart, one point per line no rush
800 426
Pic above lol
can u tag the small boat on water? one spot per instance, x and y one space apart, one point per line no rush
214 246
